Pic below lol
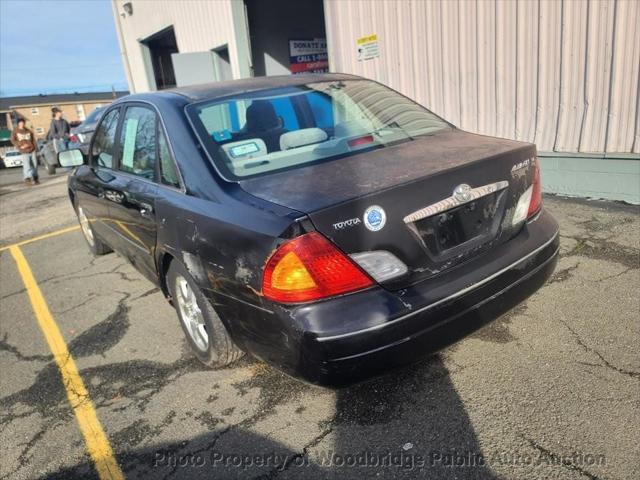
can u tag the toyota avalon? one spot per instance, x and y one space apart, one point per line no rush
323 223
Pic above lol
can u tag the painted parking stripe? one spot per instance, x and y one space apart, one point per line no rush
42 237
94 436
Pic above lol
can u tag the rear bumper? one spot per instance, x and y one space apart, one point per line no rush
428 330
354 337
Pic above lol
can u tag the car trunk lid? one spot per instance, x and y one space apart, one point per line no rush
434 202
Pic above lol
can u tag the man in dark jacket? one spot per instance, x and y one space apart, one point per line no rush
59 130
25 141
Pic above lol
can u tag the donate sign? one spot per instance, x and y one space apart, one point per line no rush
308 55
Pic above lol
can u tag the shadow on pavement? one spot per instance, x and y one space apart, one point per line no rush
408 423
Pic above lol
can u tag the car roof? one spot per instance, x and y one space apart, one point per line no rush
207 91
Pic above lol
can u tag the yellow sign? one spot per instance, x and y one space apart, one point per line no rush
370 38
368 47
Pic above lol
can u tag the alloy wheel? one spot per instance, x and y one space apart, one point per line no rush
190 313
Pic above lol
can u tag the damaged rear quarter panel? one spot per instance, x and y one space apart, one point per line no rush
224 249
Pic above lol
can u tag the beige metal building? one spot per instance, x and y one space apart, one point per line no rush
561 73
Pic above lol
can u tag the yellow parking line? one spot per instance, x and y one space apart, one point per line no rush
41 237
131 234
95 438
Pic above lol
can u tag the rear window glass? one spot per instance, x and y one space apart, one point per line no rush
272 130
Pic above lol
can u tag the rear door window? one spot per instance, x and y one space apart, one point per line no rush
138 142
168 171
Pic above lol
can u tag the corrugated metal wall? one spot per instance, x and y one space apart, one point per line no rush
561 73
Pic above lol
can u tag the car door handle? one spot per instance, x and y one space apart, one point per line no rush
113 196
146 210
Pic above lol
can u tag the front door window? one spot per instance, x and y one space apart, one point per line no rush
104 143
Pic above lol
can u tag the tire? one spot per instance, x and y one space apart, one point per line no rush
96 246
51 169
218 350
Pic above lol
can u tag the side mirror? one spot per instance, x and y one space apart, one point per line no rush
71 158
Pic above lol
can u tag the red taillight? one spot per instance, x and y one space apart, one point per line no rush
73 138
536 191
309 268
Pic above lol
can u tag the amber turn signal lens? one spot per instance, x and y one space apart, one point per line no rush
290 274
310 268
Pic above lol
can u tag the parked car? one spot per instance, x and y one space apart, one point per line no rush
81 135
12 158
325 224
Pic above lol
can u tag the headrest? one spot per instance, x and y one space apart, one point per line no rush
261 116
245 149
300 138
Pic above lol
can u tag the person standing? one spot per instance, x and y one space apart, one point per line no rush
59 130
25 141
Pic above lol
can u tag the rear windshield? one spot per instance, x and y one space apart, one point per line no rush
272 130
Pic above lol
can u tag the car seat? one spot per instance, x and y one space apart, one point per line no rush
263 123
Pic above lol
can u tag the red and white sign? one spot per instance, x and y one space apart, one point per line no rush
308 56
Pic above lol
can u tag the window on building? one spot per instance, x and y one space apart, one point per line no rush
161 46
222 64
80 112
35 111
40 130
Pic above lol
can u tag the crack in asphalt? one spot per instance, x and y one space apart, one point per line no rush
604 249
105 334
13 294
147 293
55 279
604 361
5 346
134 434
559 460
292 458
615 275
90 298
23 457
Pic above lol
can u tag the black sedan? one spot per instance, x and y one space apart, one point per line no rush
325 224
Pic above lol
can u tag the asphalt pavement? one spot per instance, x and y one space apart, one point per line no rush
550 390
